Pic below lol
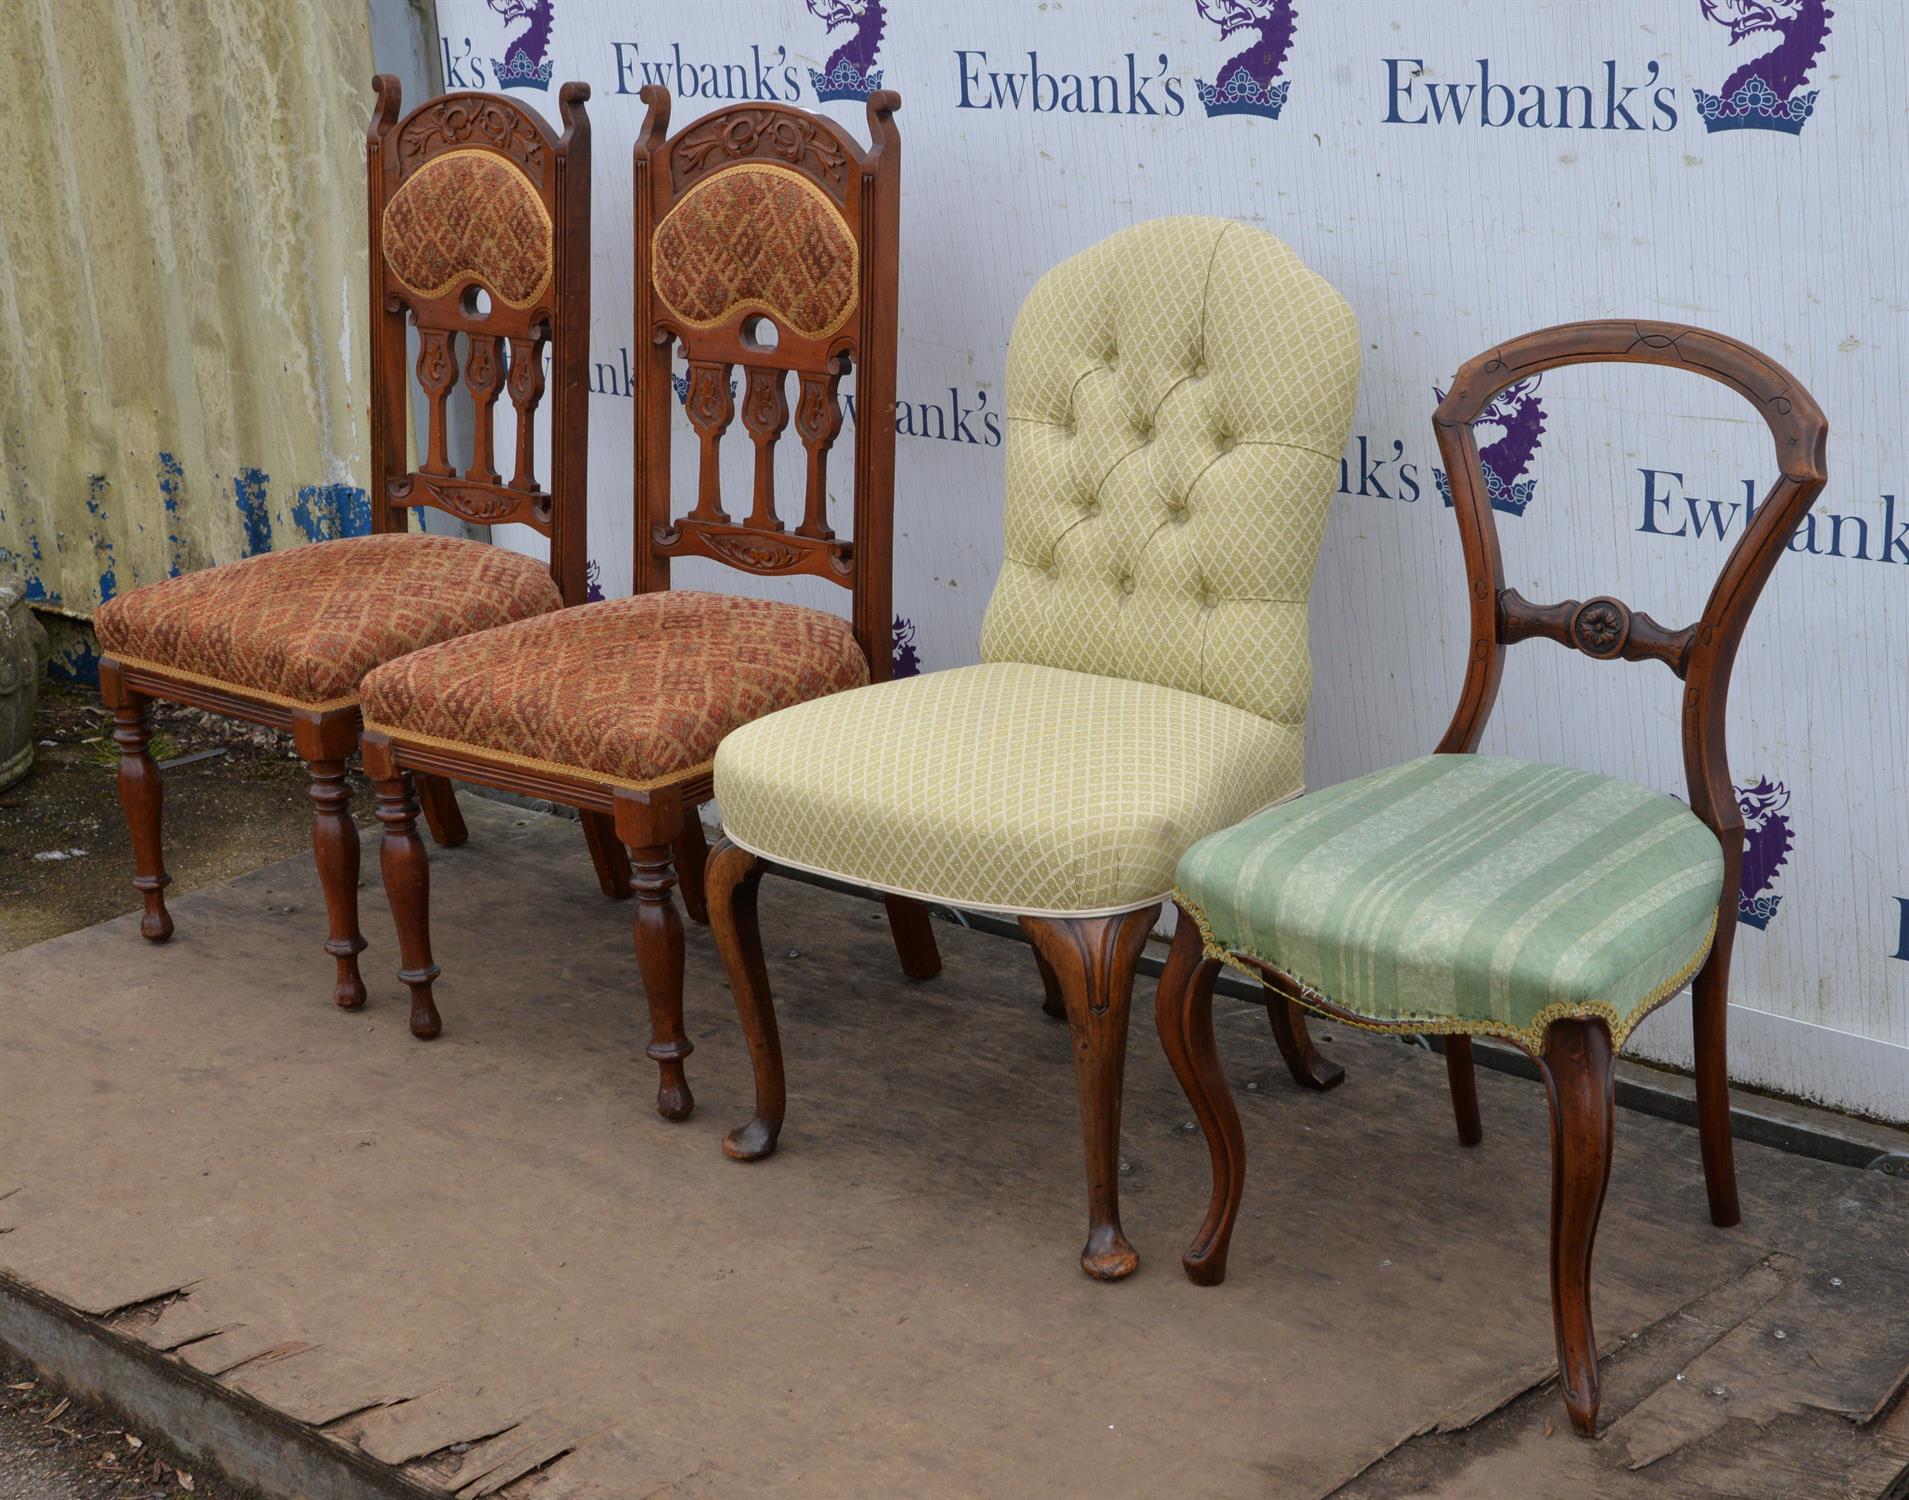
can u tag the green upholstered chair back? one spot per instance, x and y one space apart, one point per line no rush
1178 399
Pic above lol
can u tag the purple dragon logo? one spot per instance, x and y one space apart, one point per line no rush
593 582
1767 93
851 71
1245 85
1766 845
1519 415
907 663
526 62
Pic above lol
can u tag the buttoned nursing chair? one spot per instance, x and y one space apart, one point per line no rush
765 239
1466 895
1178 398
469 194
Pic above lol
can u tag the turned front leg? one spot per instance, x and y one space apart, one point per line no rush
407 885
335 846
141 795
659 958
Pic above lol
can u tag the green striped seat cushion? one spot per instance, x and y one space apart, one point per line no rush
1467 893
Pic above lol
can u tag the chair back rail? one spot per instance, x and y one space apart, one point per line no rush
1701 654
520 236
817 303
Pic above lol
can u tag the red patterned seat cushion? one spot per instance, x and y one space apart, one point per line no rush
303 626
635 691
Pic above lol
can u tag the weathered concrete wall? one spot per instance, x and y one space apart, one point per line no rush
182 241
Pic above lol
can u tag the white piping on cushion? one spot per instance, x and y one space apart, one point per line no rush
981 906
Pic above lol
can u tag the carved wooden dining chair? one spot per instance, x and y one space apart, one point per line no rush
469 193
1466 895
1178 398
766 238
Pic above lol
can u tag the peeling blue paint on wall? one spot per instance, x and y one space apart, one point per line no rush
96 488
76 661
250 487
325 512
36 590
171 472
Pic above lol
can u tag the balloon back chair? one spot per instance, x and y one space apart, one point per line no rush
765 238
480 230
1178 398
1465 895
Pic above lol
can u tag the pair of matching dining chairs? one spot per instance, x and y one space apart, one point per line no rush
1178 398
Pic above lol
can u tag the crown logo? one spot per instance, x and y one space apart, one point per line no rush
1755 106
1242 95
845 81
518 71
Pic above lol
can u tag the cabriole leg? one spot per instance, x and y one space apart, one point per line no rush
1309 1069
1094 959
1183 1012
734 875
1581 1082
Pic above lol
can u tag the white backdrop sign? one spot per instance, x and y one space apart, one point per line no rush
1462 171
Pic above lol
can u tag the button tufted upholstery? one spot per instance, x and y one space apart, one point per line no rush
1178 397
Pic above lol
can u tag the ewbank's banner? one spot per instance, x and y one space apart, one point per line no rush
1462 171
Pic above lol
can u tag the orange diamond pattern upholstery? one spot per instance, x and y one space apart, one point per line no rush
469 214
636 692
756 238
303 626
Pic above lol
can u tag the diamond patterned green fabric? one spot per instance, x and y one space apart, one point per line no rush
1467 893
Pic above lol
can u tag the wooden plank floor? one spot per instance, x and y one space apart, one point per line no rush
487 1264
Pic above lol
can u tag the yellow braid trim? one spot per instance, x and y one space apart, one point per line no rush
1530 1038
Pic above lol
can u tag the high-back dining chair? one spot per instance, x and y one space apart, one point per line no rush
766 239
1466 895
1178 397
471 196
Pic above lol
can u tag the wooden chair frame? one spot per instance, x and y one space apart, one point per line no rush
326 739
660 825
1577 1059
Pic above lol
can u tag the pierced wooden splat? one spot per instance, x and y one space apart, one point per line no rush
1605 628
765 412
818 420
437 373
526 390
483 374
711 409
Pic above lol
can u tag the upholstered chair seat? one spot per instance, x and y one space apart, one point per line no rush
302 627
1008 787
1467 894
635 692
